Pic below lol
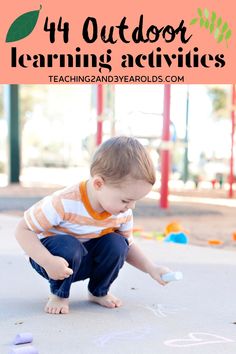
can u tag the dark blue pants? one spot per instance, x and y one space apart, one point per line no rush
99 260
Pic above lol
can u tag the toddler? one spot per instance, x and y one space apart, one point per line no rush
85 231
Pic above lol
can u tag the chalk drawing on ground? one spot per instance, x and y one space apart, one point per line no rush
136 334
197 338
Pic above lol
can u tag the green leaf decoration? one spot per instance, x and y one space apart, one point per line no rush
212 27
224 27
216 34
201 22
206 13
22 26
193 21
219 21
228 34
213 16
207 24
199 12
220 38
219 28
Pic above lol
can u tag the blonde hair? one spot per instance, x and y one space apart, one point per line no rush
121 157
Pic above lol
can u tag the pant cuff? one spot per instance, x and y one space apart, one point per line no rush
60 293
98 293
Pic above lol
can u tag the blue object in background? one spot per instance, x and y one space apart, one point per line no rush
177 237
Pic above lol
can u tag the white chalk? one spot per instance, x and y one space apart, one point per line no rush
172 276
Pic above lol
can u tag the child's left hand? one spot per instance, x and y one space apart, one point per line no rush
157 271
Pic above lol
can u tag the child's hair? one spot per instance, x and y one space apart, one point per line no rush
121 157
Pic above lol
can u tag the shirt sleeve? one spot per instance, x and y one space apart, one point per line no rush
45 214
126 228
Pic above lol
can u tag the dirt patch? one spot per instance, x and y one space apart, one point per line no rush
204 222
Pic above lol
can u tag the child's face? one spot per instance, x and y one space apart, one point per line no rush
118 199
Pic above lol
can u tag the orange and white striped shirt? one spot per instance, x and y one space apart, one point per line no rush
68 211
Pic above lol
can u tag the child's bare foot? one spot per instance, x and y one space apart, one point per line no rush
57 305
108 300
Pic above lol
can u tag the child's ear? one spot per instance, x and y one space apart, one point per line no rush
98 182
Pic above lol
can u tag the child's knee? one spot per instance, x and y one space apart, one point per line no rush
75 251
117 245
70 248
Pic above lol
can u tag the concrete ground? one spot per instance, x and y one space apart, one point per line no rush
192 316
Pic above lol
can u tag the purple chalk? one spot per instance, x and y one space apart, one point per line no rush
23 338
29 349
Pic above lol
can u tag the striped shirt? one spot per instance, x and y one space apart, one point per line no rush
68 211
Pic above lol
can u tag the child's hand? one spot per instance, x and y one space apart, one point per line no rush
57 268
157 271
